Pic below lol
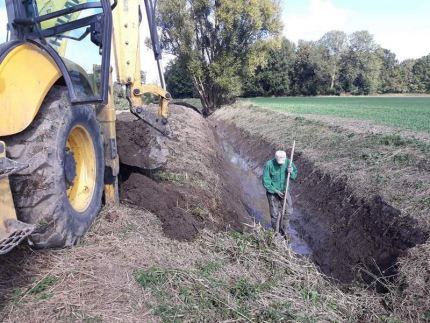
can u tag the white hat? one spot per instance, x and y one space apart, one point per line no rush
280 157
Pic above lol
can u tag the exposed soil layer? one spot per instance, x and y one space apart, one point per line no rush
182 180
189 185
136 139
343 232
166 201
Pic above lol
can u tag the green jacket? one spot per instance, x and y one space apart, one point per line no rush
274 175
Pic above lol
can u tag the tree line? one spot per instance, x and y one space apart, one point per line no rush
227 49
334 65
337 64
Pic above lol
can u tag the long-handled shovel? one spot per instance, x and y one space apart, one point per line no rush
278 222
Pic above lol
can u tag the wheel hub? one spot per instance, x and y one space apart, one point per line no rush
80 168
69 168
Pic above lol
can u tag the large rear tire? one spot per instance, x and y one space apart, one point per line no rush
61 190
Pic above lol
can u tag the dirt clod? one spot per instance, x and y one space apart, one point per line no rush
184 181
138 146
166 201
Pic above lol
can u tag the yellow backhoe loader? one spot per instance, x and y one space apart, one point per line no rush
58 153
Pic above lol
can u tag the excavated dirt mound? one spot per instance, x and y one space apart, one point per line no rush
184 181
167 202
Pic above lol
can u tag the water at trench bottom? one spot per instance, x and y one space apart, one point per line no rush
255 200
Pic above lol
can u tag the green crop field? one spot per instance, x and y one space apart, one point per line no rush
412 113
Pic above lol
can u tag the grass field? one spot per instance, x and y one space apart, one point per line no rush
412 113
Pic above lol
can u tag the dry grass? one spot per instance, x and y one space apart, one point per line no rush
266 281
254 277
94 281
126 270
414 296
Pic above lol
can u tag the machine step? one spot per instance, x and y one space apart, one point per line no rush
16 232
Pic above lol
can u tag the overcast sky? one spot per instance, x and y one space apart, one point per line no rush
402 26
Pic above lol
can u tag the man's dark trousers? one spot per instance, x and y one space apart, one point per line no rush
275 206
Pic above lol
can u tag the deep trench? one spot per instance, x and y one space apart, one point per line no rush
253 196
347 237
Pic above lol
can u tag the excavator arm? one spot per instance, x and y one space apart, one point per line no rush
127 18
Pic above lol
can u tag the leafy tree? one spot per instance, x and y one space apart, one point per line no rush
406 76
310 74
273 78
220 41
335 44
390 77
421 72
178 80
360 64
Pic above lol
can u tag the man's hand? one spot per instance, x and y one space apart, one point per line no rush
280 194
290 169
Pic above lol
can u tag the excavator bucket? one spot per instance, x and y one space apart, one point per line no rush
12 231
154 121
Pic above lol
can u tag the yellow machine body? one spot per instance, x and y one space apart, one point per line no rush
26 75
106 115
7 209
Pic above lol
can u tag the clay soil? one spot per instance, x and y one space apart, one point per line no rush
183 180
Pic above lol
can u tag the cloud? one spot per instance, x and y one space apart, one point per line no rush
320 17
405 35
406 42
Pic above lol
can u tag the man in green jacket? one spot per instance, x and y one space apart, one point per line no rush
274 176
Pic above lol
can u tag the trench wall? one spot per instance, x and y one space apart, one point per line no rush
346 233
